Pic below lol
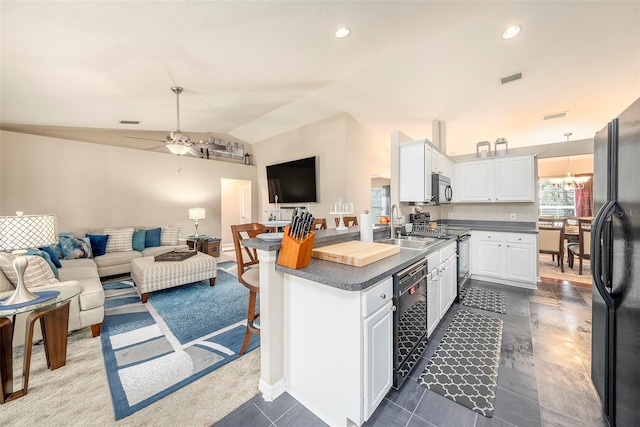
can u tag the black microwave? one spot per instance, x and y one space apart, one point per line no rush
441 189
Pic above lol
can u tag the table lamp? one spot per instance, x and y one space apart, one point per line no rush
195 214
17 234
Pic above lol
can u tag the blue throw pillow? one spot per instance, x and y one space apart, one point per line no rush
46 257
75 248
139 240
152 238
98 243
52 256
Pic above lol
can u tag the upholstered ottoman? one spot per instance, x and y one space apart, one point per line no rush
150 276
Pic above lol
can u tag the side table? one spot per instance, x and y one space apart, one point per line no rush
197 242
54 322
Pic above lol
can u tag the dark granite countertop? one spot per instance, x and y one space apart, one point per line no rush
347 277
497 226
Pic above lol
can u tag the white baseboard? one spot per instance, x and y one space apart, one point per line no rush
271 391
513 283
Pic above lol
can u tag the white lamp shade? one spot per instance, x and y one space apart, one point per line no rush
27 231
196 213
178 149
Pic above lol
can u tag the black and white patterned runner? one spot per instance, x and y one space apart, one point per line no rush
483 299
464 367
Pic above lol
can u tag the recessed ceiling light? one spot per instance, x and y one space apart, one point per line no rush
342 32
511 32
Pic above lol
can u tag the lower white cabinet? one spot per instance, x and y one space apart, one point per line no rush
442 285
506 256
338 348
378 357
433 292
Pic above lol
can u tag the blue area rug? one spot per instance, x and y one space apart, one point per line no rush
181 334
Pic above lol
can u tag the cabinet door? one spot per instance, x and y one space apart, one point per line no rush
452 279
514 179
447 168
435 164
428 167
445 288
412 179
378 358
475 181
489 258
433 292
521 262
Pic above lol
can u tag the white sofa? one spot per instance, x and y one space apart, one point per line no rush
87 309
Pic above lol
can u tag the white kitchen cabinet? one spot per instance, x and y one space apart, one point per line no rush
510 257
474 181
451 279
514 179
500 179
447 167
521 250
433 292
378 357
415 171
338 348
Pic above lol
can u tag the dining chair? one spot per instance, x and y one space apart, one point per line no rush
581 249
248 275
320 224
551 238
348 221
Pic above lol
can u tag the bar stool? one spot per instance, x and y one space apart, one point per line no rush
247 275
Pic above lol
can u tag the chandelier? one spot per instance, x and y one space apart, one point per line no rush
569 181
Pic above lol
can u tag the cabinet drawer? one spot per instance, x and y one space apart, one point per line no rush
377 296
521 238
488 235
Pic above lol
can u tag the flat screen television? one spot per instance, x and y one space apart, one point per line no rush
292 182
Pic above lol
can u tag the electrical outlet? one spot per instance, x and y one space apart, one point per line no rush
513 217
450 215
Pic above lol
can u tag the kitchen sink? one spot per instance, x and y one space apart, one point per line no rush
410 242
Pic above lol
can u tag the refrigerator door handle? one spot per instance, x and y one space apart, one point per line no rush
603 216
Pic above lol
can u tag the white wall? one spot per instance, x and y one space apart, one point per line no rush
94 185
557 166
347 157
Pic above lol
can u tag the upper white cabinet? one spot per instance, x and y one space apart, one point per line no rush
415 171
500 179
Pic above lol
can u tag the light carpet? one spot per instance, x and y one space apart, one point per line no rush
181 334
550 270
78 394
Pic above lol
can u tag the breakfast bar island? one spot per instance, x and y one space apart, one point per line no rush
326 329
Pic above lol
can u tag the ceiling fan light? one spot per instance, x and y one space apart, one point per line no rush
178 149
511 32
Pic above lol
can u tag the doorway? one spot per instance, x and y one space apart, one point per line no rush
235 206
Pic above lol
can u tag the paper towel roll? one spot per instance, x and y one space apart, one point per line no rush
366 227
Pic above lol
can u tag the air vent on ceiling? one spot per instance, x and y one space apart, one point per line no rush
511 78
555 115
129 122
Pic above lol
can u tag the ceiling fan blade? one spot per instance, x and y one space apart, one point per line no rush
157 146
146 139
194 152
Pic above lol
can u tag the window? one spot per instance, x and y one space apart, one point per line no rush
555 200
380 202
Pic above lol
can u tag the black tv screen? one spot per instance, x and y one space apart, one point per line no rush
292 182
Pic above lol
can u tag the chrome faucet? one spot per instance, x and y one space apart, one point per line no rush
393 224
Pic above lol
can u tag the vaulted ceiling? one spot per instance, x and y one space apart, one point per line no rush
253 70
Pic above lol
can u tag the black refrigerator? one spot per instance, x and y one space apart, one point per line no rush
615 266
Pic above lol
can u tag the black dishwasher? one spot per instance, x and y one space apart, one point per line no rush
410 319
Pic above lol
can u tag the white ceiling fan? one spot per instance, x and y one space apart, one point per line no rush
179 142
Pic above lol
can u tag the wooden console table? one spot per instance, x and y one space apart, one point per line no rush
54 323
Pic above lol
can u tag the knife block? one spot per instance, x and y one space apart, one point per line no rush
293 253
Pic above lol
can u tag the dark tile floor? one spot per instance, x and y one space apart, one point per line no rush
544 376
